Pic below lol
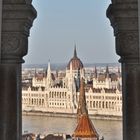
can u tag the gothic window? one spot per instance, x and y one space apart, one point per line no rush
106 104
99 104
32 101
90 104
103 104
94 104
109 104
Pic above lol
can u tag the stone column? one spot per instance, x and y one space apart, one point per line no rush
123 15
0 22
17 18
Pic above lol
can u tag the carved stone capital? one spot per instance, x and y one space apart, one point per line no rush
17 19
14 46
123 15
127 46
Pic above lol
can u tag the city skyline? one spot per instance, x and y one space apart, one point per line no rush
61 25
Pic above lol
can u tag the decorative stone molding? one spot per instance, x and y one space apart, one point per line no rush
17 19
15 46
127 46
123 15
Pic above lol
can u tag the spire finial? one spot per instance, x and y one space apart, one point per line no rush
75 52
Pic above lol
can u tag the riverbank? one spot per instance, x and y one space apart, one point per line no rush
66 115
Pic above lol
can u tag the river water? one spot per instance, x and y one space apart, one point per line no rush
111 130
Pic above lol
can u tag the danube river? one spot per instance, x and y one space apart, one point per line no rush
111 130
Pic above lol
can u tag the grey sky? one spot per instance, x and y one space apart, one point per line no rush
62 23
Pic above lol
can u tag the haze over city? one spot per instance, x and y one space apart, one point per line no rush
62 24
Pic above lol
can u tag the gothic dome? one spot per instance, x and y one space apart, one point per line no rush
75 62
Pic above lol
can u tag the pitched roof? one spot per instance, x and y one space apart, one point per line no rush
85 128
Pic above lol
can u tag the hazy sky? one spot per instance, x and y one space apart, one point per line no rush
62 23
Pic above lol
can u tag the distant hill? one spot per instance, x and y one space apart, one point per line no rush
62 66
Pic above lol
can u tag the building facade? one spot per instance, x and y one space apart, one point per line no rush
54 94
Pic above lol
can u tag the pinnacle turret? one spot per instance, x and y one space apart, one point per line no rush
75 52
107 72
95 72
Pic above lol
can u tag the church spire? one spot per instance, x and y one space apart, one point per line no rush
85 129
49 75
95 72
82 100
119 73
49 68
107 72
75 52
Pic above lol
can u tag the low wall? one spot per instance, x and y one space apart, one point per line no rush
68 115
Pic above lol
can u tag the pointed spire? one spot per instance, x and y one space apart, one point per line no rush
82 109
95 72
45 72
35 73
107 72
119 73
49 76
49 69
85 128
75 52
107 69
49 66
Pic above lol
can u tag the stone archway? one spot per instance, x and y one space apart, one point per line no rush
17 18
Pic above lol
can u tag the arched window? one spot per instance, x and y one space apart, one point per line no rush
90 104
103 106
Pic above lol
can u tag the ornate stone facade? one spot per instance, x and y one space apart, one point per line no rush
47 94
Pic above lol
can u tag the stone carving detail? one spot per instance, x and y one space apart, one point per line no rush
14 44
123 15
17 16
127 44
132 68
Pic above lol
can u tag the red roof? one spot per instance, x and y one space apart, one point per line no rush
85 128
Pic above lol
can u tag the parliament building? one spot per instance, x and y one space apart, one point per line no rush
60 94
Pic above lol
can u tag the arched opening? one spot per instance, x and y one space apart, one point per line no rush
127 46
63 24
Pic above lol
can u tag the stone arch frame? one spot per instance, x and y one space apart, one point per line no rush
17 18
